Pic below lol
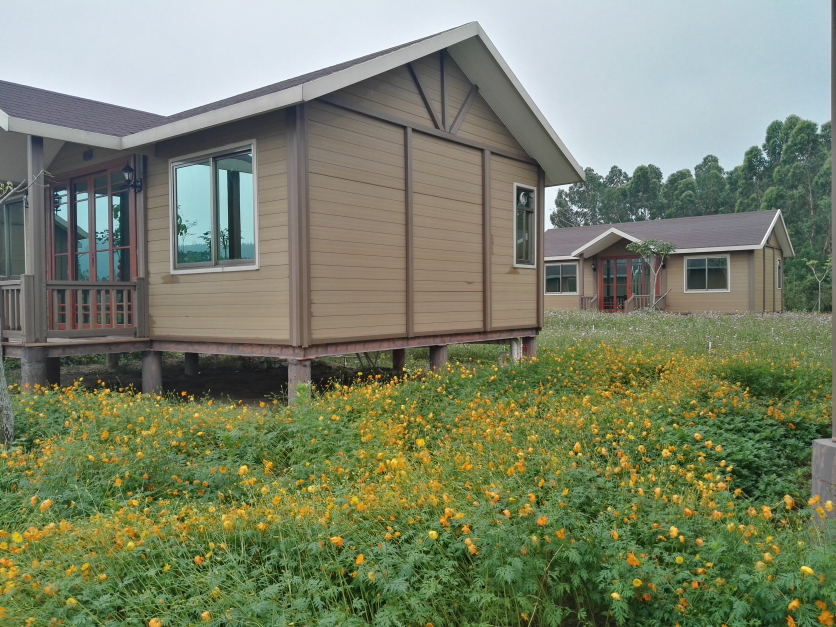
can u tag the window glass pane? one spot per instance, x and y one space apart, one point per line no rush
60 225
194 213
236 230
15 239
122 264
121 223
718 275
552 279
102 219
82 217
82 267
695 270
570 278
524 236
102 265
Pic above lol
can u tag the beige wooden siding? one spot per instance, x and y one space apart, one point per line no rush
447 244
513 289
737 299
558 302
393 92
358 228
758 280
771 291
250 305
70 158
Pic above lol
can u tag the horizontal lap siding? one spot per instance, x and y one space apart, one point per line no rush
483 125
248 305
556 302
514 296
357 225
447 204
393 93
737 299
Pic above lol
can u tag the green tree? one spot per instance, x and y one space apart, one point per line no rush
655 253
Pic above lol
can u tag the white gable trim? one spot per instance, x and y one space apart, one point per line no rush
604 240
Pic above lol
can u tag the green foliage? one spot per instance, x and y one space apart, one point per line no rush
531 494
790 171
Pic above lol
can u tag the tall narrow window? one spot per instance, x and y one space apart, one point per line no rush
214 213
779 274
12 251
524 225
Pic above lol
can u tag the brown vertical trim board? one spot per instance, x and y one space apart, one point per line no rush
581 260
424 97
36 236
538 248
410 233
445 116
460 116
751 280
487 299
763 275
298 225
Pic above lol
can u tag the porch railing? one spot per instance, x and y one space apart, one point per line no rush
644 301
74 309
589 303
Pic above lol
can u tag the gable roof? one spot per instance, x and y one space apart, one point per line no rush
715 233
28 110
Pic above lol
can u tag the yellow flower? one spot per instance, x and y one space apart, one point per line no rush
616 596
71 602
16 537
155 622
433 534
166 568
679 559
243 470
360 559
130 546
206 617
673 531
637 583
45 505
420 442
806 570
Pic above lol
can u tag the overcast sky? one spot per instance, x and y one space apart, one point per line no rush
626 83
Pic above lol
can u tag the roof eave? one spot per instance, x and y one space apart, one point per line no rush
61 133
593 243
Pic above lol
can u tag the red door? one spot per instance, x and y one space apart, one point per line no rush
621 278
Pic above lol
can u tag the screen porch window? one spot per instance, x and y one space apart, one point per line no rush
562 278
12 252
92 229
214 217
707 274
524 225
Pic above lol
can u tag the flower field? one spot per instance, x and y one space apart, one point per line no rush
608 481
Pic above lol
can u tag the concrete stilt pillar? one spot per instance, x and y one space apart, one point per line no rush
298 379
53 371
152 372
438 357
516 349
529 346
398 359
824 473
32 368
192 364
112 361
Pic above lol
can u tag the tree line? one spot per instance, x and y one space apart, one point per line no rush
790 171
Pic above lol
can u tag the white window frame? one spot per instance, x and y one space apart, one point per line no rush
533 189
779 273
685 274
561 263
7 234
172 204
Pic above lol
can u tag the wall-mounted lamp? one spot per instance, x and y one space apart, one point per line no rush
130 178
593 266
664 264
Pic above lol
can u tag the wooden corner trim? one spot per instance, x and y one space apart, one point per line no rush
487 279
424 97
298 225
540 242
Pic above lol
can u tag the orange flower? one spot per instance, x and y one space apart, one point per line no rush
631 559
826 618
198 559
614 534
542 521
794 605
790 621
561 534
337 541
155 622
360 559
206 617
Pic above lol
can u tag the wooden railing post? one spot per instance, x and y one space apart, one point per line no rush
141 306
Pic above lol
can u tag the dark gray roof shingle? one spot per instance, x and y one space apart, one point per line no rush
717 231
40 105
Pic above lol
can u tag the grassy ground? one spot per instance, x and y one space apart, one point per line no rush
628 475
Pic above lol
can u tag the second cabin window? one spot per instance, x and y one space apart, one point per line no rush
524 226
214 216
562 278
707 274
